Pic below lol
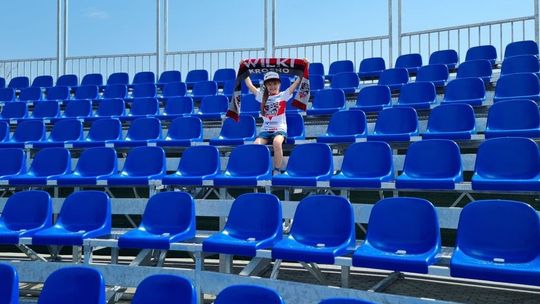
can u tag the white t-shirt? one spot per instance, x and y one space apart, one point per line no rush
274 118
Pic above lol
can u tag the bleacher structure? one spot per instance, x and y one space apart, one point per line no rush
400 171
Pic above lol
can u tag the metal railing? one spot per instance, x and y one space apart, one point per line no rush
108 64
27 67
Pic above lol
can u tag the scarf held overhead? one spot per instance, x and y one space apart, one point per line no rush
286 66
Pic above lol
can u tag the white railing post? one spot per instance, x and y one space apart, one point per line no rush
58 35
265 28
273 28
390 34
536 22
158 36
399 27
165 32
65 38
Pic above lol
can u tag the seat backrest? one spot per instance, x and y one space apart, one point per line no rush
433 158
85 210
165 288
374 95
451 118
520 64
7 94
31 93
465 88
178 105
316 68
517 84
409 61
514 115
417 92
499 229
255 215
447 57
144 77
249 160
105 129
205 88
144 129
372 64
170 76
57 93
9 289
344 301
68 80
51 161
4 131
397 120
169 212
79 108
144 161
87 92
67 129
404 224
285 83
310 160
481 52
72 282
174 89
341 66
29 209
250 104
214 104
115 91
144 90
15 109
324 219
92 79
368 159
48 108
144 106
186 128
526 47
347 123
29 130
244 127
432 72
394 76
197 75
329 99
475 68
508 158
12 161
19 82
345 80
118 78
295 125
43 81
316 82
224 75
111 107
97 161
2 82
200 160
245 294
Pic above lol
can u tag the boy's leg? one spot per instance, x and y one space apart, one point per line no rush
261 141
277 144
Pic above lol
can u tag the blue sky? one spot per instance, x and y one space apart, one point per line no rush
128 26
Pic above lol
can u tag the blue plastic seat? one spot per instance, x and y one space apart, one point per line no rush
43 81
140 133
115 91
195 76
373 99
247 165
411 62
14 110
285 83
295 128
345 127
90 92
517 86
80 109
403 235
24 214
64 130
2 82
177 106
223 75
169 77
57 93
4 131
69 283
308 164
431 164
476 68
316 83
340 66
525 47
12 162
213 107
365 165
169 217
451 121
327 102
371 68
118 78
142 165
203 89
143 90
481 52
394 78
101 131
31 94
94 79
236 132
110 107
19 82
48 164
344 301
165 288
316 68
519 117
47 109
144 77
84 214
182 132
250 105
7 94
419 95
507 164
142 107
229 87
254 223
94 164
347 81
471 91
435 73
247 294
322 229
395 124
521 64
173 89
67 80
27 130
197 164
9 289
449 58
497 240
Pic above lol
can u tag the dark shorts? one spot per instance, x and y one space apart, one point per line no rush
269 135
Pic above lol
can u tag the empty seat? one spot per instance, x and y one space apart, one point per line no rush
345 127
43 81
143 90
526 47
365 165
110 107
115 91
28 130
57 93
84 214
48 164
144 77
9 289
403 235
395 124
371 68
169 77
327 102
101 131
30 94
202 89
316 83
165 288
497 240
431 164
347 81
64 130
295 128
435 73
24 214
308 164
419 95
248 164
322 229
481 52
197 164
465 90
2 82
507 164
213 107
476 68
176 107
285 82
254 223
521 64
316 68
250 106
80 109
223 75
173 89
14 110
140 133
182 132
344 301
12 162
7 94
340 66
68 80
411 62
87 92
451 121
517 86
394 78
236 132
118 78
195 76
94 79
68 283
229 87
246 294
4 131
19 82
169 217
142 165
519 117
94 164
142 107
46 110
449 58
